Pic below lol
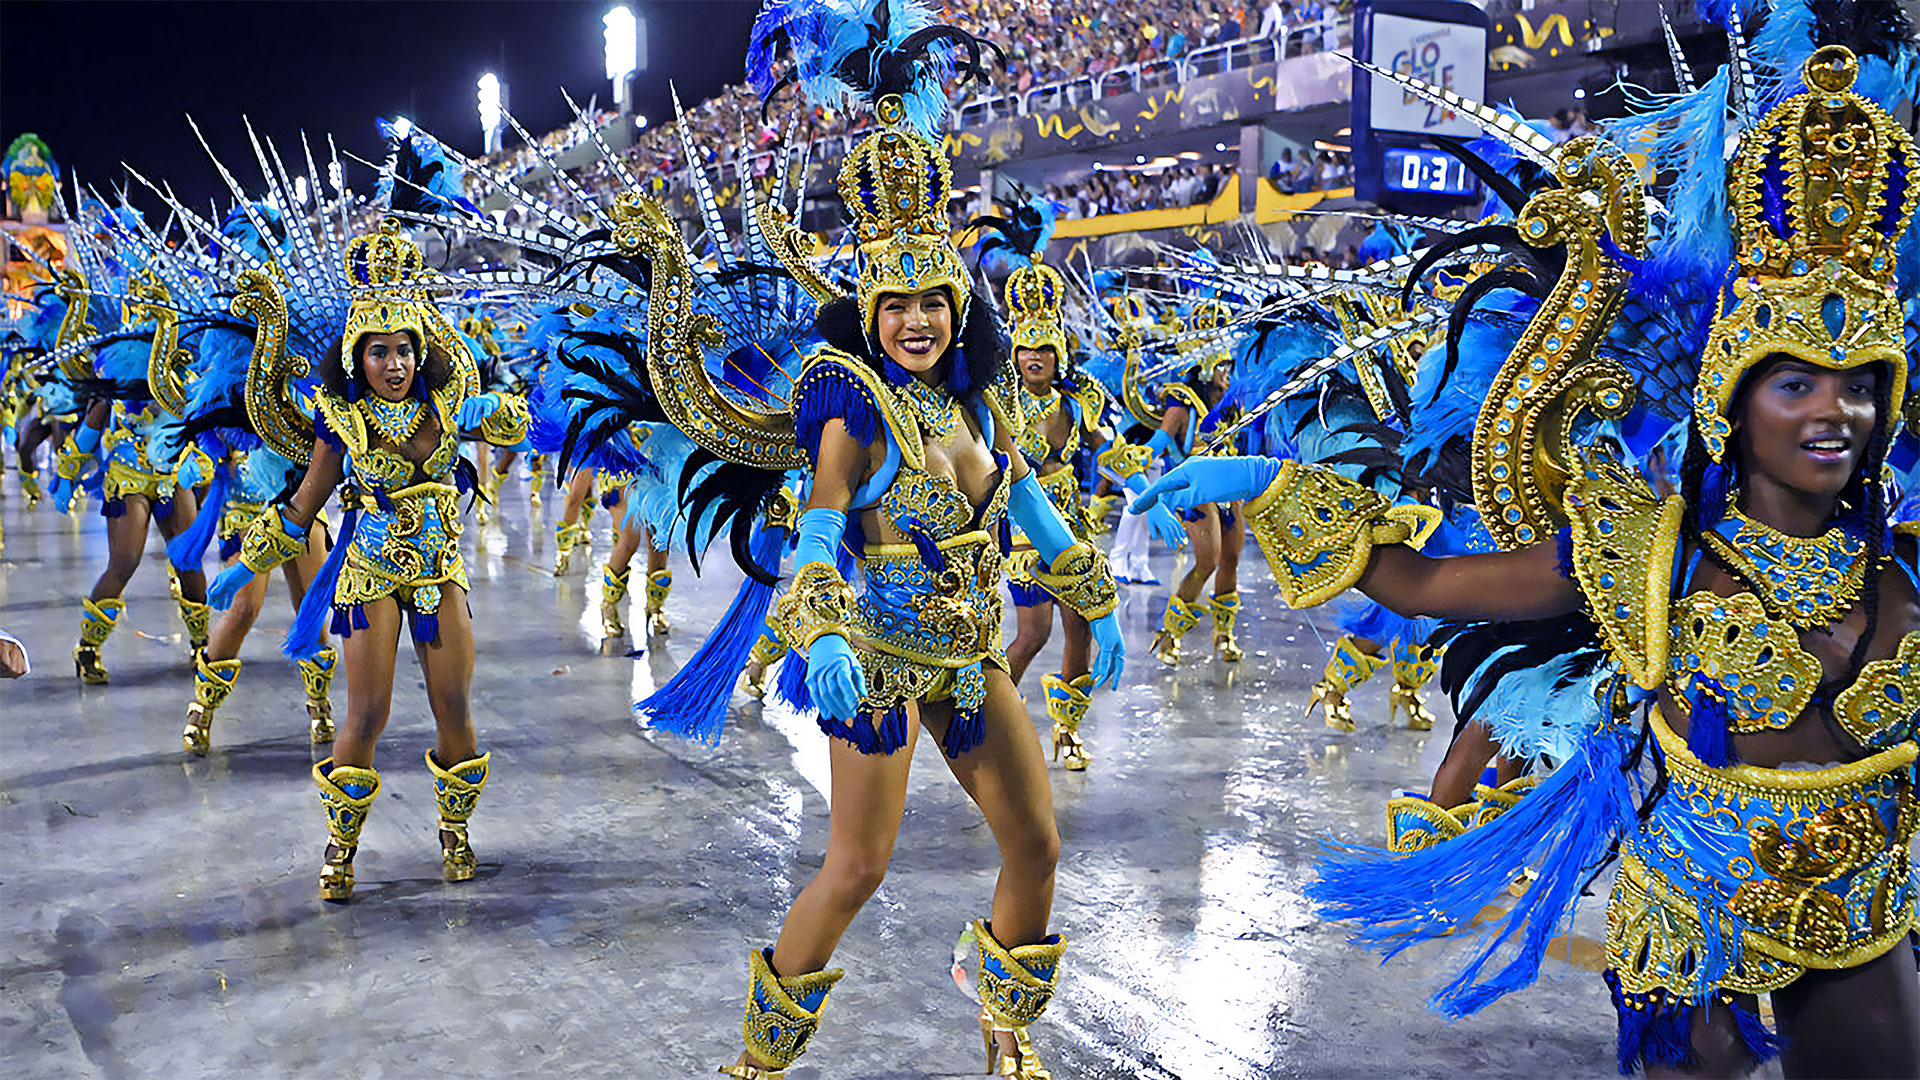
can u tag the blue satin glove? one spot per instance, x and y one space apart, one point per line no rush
62 491
834 677
227 584
1160 520
476 409
1210 480
1112 657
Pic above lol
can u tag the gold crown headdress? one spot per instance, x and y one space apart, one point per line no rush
1035 294
896 185
1208 315
1822 191
381 267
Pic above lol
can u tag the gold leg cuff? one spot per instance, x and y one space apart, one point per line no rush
782 1012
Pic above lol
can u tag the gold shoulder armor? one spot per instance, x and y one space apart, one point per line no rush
1319 530
343 420
1625 539
831 363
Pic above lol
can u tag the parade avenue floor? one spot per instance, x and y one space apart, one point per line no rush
160 914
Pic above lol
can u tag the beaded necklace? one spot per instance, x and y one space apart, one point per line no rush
396 421
938 413
1809 581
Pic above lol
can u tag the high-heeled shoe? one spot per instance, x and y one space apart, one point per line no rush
659 585
457 791
765 653
347 792
317 677
782 1014
1348 667
1066 706
212 681
96 624
1015 987
1225 610
566 536
1413 666
613 589
1180 618
196 615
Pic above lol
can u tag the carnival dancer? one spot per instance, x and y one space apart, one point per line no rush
905 427
107 452
1214 531
1746 675
1058 408
397 390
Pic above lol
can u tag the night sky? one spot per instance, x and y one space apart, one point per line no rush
105 82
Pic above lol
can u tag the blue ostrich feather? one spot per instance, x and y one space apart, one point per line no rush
1562 829
824 35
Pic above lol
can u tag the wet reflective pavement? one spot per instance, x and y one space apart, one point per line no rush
160 914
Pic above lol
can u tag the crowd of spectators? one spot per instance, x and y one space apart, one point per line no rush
1045 41
1298 173
1124 192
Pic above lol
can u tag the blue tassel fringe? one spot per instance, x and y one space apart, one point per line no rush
190 547
693 704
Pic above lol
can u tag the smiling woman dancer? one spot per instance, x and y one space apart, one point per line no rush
904 421
396 393
1754 640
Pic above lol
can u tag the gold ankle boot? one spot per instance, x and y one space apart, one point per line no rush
1412 667
30 483
1015 987
536 478
1180 618
491 487
347 791
1347 668
457 790
317 676
212 681
783 1012
195 615
1225 610
565 536
613 589
96 623
1066 706
659 584
766 652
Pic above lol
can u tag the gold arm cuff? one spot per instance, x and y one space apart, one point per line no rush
1080 579
72 464
267 543
1319 530
508 424
1124 460
818 602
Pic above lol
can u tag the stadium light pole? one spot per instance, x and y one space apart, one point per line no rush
491 94
623 53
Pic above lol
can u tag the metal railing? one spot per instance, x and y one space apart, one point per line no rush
1237 55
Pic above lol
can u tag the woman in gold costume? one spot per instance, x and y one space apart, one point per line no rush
1737 680
396 393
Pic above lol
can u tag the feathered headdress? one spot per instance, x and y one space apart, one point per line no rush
890 56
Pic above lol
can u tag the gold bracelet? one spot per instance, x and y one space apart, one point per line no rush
818 602
1124 460
1319 530
509 422
73 463
267 543
1080 579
